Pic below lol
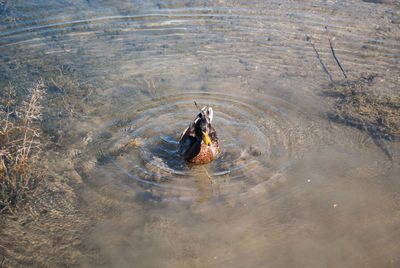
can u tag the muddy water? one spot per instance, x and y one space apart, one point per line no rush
290 188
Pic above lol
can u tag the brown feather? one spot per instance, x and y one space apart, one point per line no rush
192 147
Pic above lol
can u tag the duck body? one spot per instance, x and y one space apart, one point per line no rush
198 143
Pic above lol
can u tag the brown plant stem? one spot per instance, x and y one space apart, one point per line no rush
333 53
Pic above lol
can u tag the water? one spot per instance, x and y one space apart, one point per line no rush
290 189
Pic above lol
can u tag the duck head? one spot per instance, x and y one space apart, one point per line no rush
203 124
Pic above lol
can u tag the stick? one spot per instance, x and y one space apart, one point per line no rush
320 60
333 52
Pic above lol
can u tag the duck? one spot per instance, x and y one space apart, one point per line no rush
198 143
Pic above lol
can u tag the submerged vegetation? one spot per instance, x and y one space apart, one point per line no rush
358 105
35 200
20 146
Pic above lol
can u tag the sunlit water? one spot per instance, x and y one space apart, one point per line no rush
289 189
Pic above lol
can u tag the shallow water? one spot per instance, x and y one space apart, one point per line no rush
290 188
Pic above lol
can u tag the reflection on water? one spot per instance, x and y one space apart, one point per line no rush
290 188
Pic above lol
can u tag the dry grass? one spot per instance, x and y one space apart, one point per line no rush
358 104
40 220
20 146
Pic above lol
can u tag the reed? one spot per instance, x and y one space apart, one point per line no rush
20 146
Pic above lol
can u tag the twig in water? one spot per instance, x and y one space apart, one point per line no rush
320 60
333 52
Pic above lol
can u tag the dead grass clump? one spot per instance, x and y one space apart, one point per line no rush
357 104
20 146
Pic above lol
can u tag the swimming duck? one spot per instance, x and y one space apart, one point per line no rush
198 143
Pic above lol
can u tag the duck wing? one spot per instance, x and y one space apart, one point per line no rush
189 145
191 148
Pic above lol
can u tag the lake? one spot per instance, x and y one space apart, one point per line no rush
304 178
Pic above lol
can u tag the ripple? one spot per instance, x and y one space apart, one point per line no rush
273 32
257 140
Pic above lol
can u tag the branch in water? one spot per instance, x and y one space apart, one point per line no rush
320 60
333 52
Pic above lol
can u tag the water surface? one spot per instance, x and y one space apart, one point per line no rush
290 189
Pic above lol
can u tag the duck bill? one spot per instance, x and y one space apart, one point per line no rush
206 138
